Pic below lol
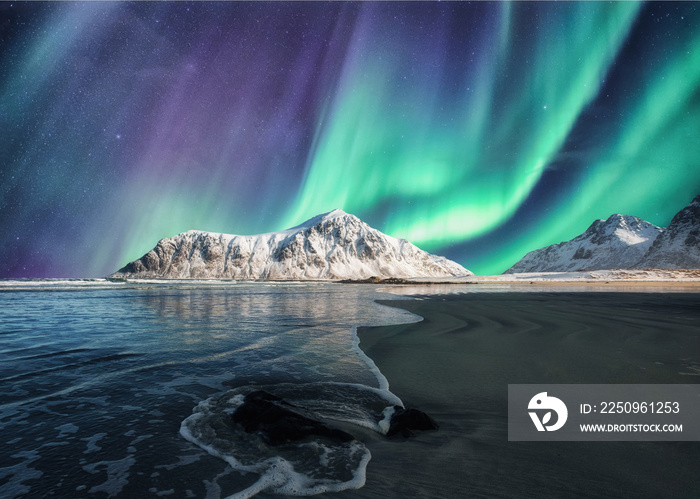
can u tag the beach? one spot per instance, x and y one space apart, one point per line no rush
123 389
456 366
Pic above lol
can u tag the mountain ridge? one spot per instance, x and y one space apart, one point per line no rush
330 246
623 242
679 245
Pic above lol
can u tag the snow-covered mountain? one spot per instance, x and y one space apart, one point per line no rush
618 242
623 242
334 245
679 245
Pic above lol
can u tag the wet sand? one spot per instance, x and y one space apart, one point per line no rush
456 366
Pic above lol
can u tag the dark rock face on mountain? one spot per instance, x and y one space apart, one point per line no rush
679 245
618 242
335 245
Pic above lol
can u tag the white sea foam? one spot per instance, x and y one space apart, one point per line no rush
67 429
301 469
385 422
117 474
12 478
91 445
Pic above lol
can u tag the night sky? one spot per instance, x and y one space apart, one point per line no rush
478 131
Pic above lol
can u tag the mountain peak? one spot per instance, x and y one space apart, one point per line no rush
679 245
625 220
324 217
335 213
617 242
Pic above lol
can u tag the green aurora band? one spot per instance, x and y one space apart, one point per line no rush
476 130
452 170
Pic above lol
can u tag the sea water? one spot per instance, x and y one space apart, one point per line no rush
124 390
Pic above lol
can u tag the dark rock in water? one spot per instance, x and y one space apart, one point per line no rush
403 421
277 422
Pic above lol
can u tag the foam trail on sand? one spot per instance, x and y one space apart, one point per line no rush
297 469
302 469
381 379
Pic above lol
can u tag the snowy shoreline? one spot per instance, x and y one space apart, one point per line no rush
689 277
673 277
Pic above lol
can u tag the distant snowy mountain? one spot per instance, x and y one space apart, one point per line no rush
618 242
335 245
623 242
679 245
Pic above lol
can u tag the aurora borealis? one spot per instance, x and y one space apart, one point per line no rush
479 131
